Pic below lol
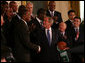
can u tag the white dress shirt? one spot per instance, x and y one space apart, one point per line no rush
52 13
50 30
63 33
77 28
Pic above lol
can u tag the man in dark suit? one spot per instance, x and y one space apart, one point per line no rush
13 23
14 7
5 55
64 35
36 24
78 40
52 13
78 30
36 27
47 40
69 22
21 40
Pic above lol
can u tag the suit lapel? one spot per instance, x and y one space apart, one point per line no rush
49 13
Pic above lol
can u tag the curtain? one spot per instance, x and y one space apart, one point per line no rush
75 5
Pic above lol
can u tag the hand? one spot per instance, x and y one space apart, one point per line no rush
39 49
66 48
3 60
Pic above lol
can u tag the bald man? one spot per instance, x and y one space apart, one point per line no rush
64 36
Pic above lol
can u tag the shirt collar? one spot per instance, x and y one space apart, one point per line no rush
63 32
38 20
71 20
76 28
51 12
24 21
49 29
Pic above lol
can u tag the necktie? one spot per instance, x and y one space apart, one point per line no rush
63 35
52 14
41 22
48 36
77 34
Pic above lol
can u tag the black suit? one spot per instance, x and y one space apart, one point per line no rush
69 26
36 24
78 45
3 39
80 40
70 29
56 13
21 42
35 34
48 53
66 38
10 30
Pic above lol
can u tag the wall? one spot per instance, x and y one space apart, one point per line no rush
63 7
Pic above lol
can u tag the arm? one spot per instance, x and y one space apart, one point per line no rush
23 32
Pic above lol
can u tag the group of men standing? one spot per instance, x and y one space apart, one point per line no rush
35 39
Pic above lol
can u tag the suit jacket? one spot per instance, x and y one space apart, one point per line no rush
55 26
69 25
3 39
48 53
21 42
66 38
70 29
81 37
56 13
36 25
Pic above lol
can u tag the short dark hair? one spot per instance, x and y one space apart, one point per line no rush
51 2
77 18
70 11
41 10
12 2
4 3
22 10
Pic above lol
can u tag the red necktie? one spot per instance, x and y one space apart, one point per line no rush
77 34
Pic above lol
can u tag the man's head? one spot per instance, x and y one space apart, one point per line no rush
52 5
77 22
47 23
9 12
71 14
41 13
13 5
24 14
29 7
62 26
4 5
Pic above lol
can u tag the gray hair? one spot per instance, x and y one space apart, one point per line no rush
29 3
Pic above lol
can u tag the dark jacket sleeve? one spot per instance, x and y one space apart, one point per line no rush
59 17
23 32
